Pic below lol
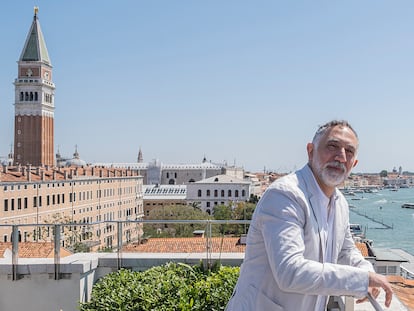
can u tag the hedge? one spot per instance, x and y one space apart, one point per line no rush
173 286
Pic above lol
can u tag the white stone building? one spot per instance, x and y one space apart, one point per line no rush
217 190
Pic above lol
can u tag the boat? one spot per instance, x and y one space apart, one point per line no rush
356 230
408 205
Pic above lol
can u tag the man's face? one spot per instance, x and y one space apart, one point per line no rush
333 157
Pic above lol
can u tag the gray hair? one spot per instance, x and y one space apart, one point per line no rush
327 126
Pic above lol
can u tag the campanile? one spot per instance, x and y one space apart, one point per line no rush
34 102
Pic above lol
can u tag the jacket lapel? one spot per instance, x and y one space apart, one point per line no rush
316 214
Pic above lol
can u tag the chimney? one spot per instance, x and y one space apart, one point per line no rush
5 169
23 171
100 173
42 175
29 173
93 171
54 175
65 174
38 171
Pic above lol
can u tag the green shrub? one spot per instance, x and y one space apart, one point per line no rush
173 286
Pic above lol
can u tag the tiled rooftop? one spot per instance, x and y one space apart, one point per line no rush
32 250
362 248
21 174
404 289
187 245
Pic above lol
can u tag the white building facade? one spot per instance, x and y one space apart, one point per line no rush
217 190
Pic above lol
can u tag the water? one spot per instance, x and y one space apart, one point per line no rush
385 206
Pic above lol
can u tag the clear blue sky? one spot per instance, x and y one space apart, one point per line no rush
246 82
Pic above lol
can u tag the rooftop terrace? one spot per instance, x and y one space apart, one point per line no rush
60 281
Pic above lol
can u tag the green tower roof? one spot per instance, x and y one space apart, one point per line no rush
35 46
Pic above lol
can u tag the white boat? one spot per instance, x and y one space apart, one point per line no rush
356 230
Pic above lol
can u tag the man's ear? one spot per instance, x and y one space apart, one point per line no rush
355 163
309 149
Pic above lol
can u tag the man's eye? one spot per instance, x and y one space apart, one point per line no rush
332 147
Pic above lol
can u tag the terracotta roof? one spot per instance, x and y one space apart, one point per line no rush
404 289
187 245
32 250
198 245
362 248
20 174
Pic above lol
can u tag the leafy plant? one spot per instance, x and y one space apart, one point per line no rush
173 286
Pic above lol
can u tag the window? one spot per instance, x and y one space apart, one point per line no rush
222 193
229 193
40 201
381 269
208 204
199 193
12 205
208 193
236 193
243 193
25 203
6 206
392 270
216 193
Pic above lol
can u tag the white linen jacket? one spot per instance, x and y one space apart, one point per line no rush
283 267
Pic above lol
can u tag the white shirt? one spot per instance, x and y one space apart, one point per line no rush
326 227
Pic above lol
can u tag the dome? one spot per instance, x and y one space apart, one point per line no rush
76 160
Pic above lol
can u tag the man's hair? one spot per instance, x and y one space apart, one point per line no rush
327 126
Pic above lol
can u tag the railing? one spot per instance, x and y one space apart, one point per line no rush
65 230
76 232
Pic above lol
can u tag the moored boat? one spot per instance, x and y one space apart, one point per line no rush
408 205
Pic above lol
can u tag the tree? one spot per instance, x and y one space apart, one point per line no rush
71 238
383 173
243 211
223 212
253 198
174 212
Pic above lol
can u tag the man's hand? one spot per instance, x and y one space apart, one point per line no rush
376 281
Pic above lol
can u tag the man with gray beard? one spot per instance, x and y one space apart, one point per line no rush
299 247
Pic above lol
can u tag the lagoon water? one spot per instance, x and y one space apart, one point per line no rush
385 207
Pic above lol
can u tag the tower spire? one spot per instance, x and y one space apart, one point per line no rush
35 47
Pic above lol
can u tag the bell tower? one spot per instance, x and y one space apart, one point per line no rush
34 102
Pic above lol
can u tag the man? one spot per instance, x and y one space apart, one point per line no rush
299 247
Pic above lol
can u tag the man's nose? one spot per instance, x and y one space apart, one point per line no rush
341 155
